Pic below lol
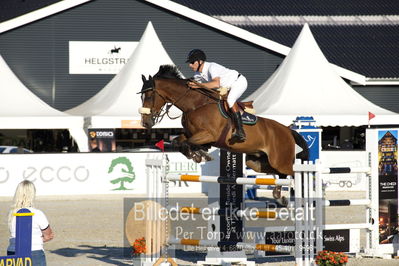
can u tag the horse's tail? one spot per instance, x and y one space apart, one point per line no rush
300 141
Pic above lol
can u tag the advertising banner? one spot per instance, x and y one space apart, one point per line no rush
94 57
313 139
388 185
231 197
101 140
333 240
89 173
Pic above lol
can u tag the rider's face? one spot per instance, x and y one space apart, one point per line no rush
193 65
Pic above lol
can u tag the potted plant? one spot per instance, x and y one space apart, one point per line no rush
138 247
329 258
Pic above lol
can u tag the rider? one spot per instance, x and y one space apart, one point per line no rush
213 76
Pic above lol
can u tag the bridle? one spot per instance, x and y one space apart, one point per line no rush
158 116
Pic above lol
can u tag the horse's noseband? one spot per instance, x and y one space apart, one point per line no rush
146 89
149 110
144 110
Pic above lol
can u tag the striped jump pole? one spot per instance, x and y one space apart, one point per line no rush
223 180
251 190
289 228
344 202
346 170
240 213
239 245
347 202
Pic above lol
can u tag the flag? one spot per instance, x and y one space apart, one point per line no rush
371 116
160 144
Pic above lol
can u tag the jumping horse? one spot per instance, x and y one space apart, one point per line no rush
269 146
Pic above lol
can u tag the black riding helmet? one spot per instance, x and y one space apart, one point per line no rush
195 55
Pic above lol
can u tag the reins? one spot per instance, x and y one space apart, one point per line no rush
169 72
160 115
206 92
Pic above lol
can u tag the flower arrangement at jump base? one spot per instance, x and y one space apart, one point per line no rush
139 246
329 258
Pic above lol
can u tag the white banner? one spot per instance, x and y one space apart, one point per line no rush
89 173
93 57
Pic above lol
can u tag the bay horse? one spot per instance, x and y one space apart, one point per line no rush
269 146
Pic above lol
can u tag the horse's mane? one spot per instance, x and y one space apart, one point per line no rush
169 71
172 72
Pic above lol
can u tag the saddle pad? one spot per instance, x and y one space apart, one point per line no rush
247 118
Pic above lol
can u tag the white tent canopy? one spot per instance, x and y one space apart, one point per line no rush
21 109
305 84
118 101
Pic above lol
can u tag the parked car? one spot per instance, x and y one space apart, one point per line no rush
13 149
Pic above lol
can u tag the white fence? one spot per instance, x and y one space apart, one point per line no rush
89 173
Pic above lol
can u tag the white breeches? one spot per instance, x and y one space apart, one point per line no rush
236 90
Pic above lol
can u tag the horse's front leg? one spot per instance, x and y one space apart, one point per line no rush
181 144
200 144
191 150
188 150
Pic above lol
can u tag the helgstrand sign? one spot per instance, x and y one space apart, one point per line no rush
94 57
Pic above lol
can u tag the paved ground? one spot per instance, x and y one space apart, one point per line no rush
90 231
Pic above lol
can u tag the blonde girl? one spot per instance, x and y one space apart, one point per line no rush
41 231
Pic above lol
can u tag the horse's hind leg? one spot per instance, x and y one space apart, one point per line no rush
253 162
260 163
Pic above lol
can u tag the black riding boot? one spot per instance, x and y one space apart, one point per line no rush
239 134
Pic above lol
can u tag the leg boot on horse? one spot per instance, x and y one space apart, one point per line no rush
239 134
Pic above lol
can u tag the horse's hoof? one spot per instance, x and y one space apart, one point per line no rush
284 201
277 192
197 158
189 155
207 157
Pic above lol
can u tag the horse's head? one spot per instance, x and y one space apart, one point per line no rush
152 103
158 91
